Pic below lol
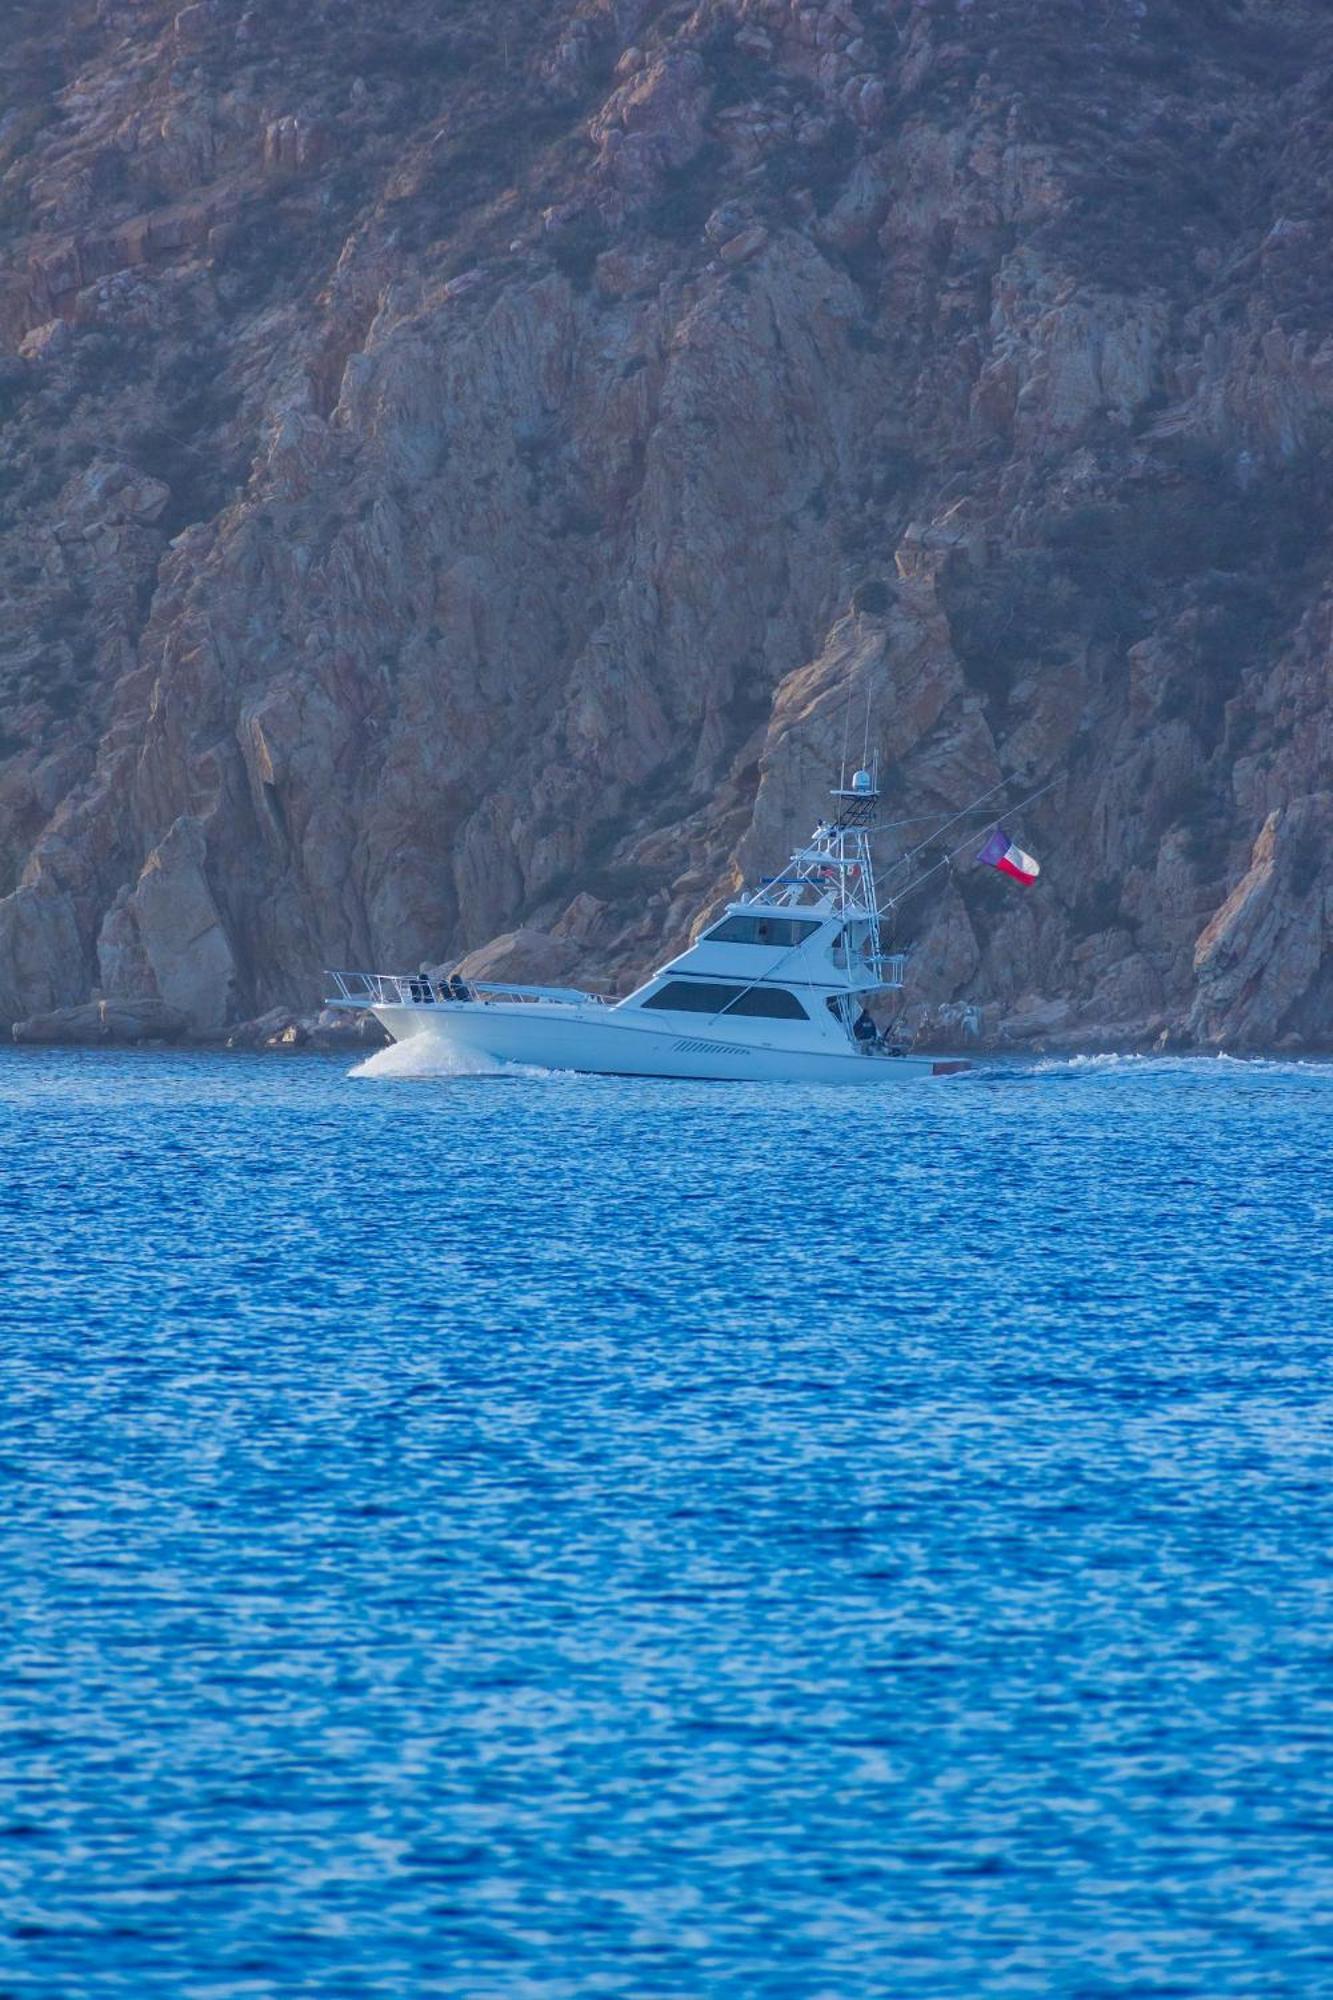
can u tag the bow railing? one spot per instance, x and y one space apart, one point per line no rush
417 989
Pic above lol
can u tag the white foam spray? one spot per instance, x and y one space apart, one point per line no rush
423 1057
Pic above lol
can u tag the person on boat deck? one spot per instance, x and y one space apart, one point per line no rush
863 1028
457 990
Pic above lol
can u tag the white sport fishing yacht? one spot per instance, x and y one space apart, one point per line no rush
773 990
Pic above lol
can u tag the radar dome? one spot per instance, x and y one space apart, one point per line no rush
862 782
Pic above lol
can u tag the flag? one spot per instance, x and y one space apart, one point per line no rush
1000 852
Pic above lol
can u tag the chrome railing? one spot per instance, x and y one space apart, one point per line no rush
414 989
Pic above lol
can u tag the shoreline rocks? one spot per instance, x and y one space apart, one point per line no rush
331 1031
104 1024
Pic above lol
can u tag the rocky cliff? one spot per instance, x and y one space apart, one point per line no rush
460 460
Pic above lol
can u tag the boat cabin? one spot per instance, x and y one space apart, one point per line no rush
800 954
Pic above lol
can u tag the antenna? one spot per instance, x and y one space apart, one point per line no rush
846 732
865 747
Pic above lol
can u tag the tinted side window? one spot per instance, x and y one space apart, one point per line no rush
701 996
691 996
774 1002
769 931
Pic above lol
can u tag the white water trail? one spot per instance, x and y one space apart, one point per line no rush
422 1058
1177 1065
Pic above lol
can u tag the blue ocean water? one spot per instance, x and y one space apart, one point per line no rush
554 1537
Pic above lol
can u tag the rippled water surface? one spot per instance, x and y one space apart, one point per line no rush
558 1537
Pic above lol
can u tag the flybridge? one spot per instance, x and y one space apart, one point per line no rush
833 876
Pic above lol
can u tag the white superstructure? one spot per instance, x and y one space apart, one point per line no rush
775 988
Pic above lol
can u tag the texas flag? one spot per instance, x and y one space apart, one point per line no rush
1000 852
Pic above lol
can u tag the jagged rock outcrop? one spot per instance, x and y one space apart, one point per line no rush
166 937
1271 937
459 471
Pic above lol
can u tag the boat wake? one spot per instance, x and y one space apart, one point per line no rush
417 1059
1125 1064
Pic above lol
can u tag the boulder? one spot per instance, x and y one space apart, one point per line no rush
100 1023
328 1031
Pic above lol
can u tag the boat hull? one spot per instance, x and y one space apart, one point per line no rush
601 1041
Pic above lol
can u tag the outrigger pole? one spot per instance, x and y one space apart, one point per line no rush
849 822
948 860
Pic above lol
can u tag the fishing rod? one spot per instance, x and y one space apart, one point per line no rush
948 860
953 820
893 901
917 819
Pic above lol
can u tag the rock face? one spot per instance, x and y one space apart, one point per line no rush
461 467
1272 936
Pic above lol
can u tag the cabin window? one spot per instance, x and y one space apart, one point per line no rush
703 996
770 931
